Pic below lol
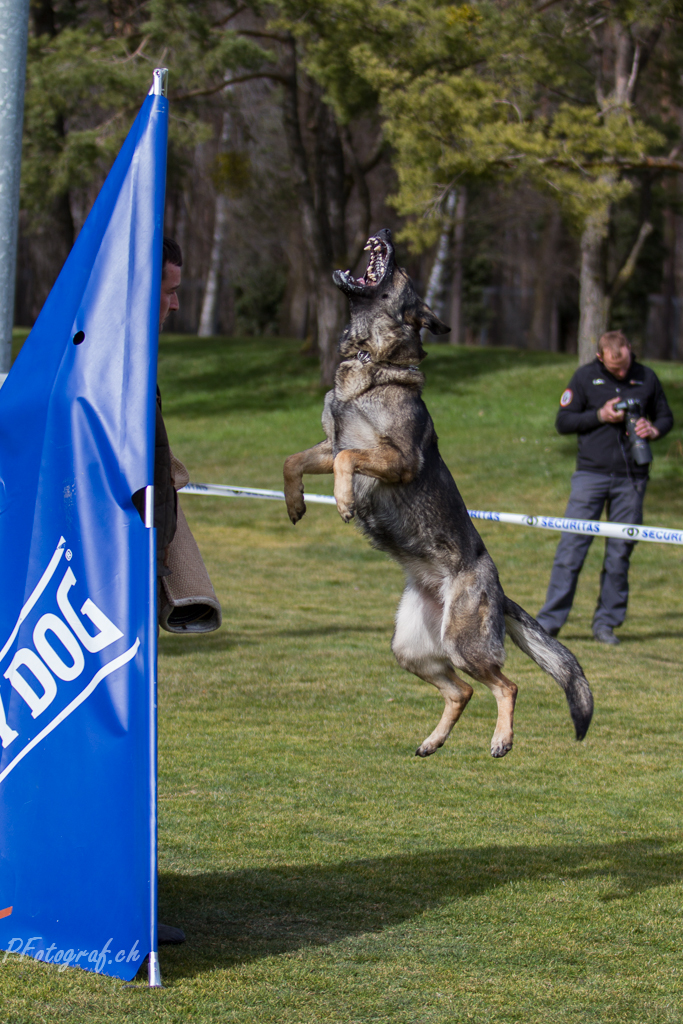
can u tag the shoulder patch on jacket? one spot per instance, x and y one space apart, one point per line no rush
567 396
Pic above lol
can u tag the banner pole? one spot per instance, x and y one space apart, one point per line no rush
14 15
153 969
159 88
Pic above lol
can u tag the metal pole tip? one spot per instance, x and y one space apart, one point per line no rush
160 82
153 969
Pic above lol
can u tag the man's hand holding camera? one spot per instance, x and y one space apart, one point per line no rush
608 413
646 430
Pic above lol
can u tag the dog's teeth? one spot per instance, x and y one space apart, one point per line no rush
367 247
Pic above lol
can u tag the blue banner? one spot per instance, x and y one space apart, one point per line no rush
78 600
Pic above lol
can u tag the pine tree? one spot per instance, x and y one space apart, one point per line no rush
556 93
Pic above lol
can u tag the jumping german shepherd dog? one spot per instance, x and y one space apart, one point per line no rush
382 448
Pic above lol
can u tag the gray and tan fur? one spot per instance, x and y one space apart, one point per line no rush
382 448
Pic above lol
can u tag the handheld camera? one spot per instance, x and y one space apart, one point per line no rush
640 448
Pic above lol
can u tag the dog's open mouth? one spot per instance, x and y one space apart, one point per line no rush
377 264
380 250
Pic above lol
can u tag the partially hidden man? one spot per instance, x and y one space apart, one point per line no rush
609 472
186 600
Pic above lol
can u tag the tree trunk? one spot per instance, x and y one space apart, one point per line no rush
434 293
295 310
456 318
330 306
593 300
544 316
209 313
207 320
360 181
330 179
677 348
328 301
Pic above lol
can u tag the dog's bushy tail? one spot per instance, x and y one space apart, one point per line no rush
554 658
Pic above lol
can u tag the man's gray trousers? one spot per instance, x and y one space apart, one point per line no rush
589 494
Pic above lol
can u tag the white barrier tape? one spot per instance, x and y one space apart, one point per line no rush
621 531
223 491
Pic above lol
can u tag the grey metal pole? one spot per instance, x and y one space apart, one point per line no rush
13 43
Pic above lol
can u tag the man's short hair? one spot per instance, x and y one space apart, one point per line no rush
172 254
613 340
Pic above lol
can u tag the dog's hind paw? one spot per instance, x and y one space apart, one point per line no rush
426 748
500 748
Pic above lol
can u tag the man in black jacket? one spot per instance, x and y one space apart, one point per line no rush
606 474
165 502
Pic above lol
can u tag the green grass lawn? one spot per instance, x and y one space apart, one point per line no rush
323 873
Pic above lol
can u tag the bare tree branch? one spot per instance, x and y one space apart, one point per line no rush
509 103
375 157
658 163
626 271
212 90
233 14
277 36
632 78
136 53
661 163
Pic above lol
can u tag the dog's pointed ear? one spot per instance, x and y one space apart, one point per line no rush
429 320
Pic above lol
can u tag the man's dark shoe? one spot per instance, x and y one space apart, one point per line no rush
605 635
168 936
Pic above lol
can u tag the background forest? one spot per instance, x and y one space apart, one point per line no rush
528 155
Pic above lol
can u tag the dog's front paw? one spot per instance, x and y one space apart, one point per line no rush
343 495
294 499
296 506
346 510
294 488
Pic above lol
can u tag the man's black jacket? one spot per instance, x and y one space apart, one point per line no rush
165 499
604 447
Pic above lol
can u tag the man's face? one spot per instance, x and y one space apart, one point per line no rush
170 282
616 360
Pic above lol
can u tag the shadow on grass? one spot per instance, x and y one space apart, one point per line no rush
624 638
445 367
177 646
234 917
266 374
639 638
236 375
